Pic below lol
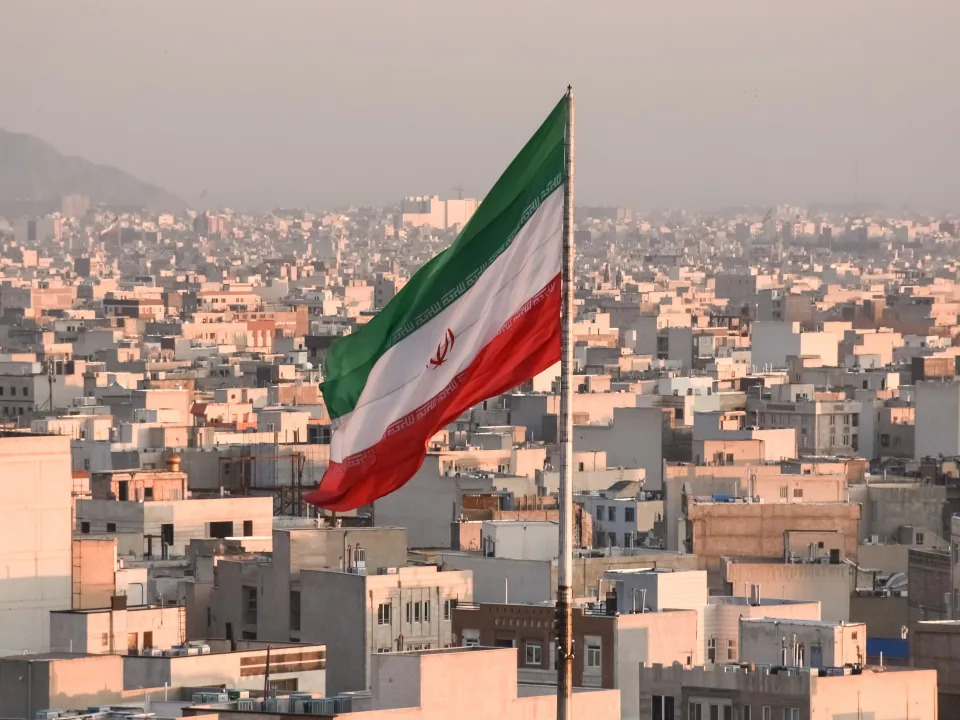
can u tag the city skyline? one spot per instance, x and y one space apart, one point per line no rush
695 106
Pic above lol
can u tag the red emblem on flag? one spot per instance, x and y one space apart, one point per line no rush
443 349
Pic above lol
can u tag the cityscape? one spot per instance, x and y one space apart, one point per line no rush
263 463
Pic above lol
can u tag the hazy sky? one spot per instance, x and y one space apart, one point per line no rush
322 102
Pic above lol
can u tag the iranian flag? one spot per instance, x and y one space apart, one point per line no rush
480 318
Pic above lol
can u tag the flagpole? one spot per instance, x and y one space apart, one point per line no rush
565 554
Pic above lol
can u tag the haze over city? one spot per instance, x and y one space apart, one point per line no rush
485 361
697 104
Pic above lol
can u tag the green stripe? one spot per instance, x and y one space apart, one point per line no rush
532 175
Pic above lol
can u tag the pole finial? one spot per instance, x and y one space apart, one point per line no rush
569 88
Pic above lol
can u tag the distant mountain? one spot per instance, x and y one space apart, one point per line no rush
34 175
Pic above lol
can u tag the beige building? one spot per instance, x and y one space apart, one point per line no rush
122 630
355 615
35 545
760 530
672 693
165 527
830 585
472 683
802 643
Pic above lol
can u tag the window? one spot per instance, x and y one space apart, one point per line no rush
791 713
855 420
919 538
416 612
148 493
594 659
732 650
409 612
248 528
580 467
85 527
600 511
148 639
1 391
23 391
111 527
426 611
767 713
629 514
628 540
294 609
798 493
447 609
663 707
533 653
729 458
249 605
166 533
695 711
612 513
612 539
745 713
783 492
105 639
381 650
223 529
383 613
712 650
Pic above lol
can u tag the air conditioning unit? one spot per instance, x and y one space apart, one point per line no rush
47 714
248 705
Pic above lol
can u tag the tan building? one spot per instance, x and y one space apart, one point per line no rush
470 683
118 631
672 693
35 501
758 529
830 585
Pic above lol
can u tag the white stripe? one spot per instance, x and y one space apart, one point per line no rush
402 380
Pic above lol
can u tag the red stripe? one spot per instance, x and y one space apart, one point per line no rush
528 344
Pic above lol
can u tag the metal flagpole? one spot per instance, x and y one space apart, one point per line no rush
565 557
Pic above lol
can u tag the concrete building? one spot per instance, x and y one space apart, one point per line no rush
535 581
889 507
30 683
728 692
292 668
935 644
931 593
937 418
168 526
633 440
480 683
612 642
219 598
406 608
802 643
620 521
829 585
35 543
117 630
826 423
720 529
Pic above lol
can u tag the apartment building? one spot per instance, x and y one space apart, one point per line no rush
35 542
404 608
826 423
730 691
611 642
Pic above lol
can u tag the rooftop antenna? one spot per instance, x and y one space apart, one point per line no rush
459 189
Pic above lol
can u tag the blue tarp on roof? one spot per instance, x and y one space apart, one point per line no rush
893 648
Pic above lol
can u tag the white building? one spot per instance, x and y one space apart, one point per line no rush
35 541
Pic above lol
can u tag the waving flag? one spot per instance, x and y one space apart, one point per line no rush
480 318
